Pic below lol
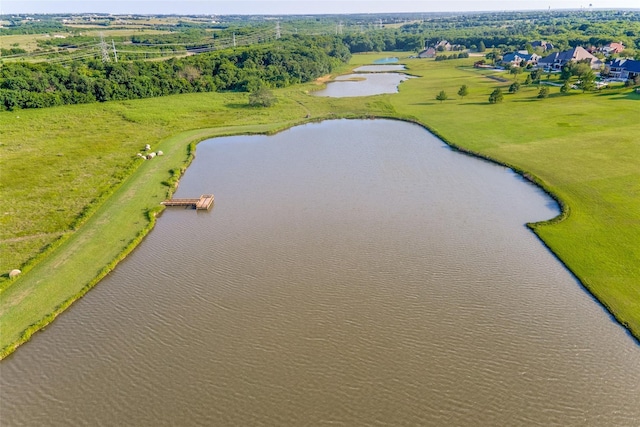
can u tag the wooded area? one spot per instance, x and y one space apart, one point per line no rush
244 54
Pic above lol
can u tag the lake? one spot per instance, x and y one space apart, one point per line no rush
350 273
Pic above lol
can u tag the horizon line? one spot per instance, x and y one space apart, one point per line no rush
332 13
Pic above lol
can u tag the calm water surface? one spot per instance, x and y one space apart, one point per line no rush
379 68
362 84
350 273
389 60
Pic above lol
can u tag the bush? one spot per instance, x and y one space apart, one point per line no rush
544 92
262 97
442 96
632 82
496 96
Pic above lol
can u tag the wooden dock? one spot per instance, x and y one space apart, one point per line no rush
203 203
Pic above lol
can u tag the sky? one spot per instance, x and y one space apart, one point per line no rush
275 7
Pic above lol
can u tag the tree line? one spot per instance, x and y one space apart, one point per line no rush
296 59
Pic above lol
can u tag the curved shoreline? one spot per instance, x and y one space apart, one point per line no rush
565 212
189 143
183 148
177 161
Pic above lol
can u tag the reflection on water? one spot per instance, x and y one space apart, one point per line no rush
386 60
362 85
379 68
352 273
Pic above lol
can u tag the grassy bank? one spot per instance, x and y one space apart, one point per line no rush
75 198
583 148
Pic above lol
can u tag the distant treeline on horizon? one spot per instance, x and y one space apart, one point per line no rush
244 54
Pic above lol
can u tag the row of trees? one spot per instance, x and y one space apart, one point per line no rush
513 30
508 30
452 56
586 82
294 60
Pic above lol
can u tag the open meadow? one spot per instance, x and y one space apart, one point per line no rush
76 198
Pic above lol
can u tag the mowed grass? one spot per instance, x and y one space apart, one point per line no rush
584 148
71 179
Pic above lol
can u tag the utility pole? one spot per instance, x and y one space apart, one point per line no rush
104 49
115 52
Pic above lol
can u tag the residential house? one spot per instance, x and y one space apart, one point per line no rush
443 45
623 68
545 46
520 58
428 53
557 60
612 48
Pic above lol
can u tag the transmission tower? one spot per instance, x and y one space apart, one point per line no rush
278 30
104 49
115 52
234 39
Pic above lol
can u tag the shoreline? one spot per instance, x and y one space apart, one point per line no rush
136 194
189 141
95 227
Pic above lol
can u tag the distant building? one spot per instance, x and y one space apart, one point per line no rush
612 48
545 46
443 45
623 68
557 60
482 64
519 58
428 53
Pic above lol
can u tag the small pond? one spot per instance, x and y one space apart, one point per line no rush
379 68
363 84
390 60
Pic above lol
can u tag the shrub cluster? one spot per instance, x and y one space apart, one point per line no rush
452 56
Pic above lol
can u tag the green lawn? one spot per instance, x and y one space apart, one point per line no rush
75 198
584 148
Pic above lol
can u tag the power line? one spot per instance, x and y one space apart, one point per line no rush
104 49
115 53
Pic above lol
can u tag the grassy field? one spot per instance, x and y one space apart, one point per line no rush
28 42
584 148
76 199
